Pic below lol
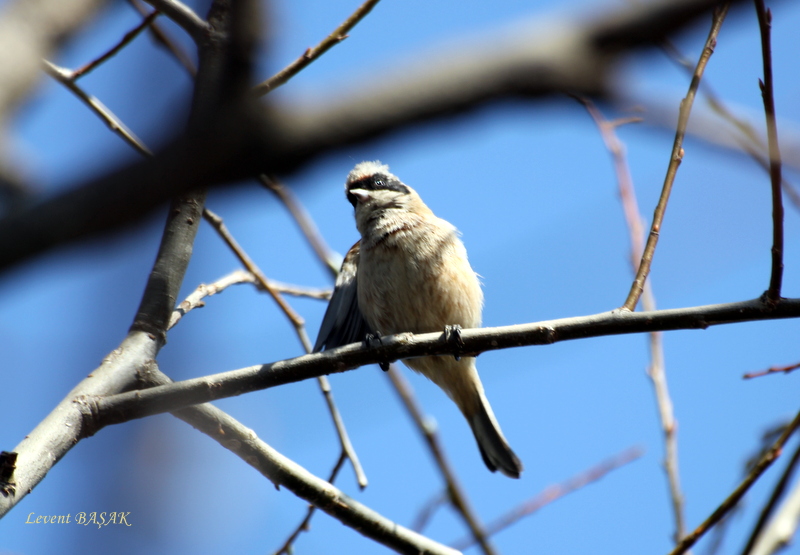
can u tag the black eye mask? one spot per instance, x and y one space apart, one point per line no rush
376 182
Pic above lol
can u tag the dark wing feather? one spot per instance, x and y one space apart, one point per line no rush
343 322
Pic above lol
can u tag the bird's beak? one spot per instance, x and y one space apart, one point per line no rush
360 195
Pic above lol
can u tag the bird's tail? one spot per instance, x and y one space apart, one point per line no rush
494 448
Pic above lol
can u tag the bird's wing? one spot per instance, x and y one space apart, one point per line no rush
343 322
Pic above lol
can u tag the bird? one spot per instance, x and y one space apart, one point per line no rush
409 273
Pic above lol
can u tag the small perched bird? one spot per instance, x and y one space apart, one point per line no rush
409 273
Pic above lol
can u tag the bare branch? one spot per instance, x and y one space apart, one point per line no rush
195 300
282 471
219 226
287 545
782 527
338 35
675 159
770 506
65 77
555 492
307 225
29 32
751 141
300 328
243 142
128 406
183 15
776 277
164 40
455 493
656 370
124 41
773 370
763 464
427 511
65 426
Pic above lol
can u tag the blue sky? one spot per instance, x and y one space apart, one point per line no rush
532 189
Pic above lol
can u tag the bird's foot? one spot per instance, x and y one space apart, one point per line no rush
452 335
369 342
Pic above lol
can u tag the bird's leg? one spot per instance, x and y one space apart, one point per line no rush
369 342
452 335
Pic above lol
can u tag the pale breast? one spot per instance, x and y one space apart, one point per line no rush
418 280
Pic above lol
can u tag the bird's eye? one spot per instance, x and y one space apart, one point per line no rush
378 183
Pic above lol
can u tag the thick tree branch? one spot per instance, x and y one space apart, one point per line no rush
65 425
139 404
240 143
221 63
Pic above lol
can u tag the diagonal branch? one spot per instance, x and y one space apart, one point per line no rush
769 508
282 471
164 40
124 41
763 464
656 370
338 35
66 78
554 492
675 160
304 221
455 492
183 15
300 328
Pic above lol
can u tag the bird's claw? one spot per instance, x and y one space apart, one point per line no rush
369 342
452 335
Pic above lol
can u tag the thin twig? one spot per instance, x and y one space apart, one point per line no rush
195 300
774 498
734 498
307 225
338 35
456 494
126 38
183 15
162 38
301 290
772 370
299 326
555 492
776 274
64 76
304 525
220 227
750 142
675 159
426 513
656 371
